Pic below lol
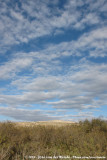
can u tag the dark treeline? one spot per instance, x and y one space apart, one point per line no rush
88 138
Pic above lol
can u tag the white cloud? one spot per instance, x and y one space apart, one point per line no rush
91 41
35 19
10 68
46 80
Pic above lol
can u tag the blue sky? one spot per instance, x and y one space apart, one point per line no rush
53 60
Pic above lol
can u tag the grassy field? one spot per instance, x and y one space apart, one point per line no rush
55 123
30 140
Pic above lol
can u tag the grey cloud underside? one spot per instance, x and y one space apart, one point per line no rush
38 115
77 90
26 115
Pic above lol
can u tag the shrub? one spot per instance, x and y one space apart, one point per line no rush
88 138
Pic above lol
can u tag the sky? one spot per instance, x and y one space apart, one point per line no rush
53 60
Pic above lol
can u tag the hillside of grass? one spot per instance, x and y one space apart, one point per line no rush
18 142
45 123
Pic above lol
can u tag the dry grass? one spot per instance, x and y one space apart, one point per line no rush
45 123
